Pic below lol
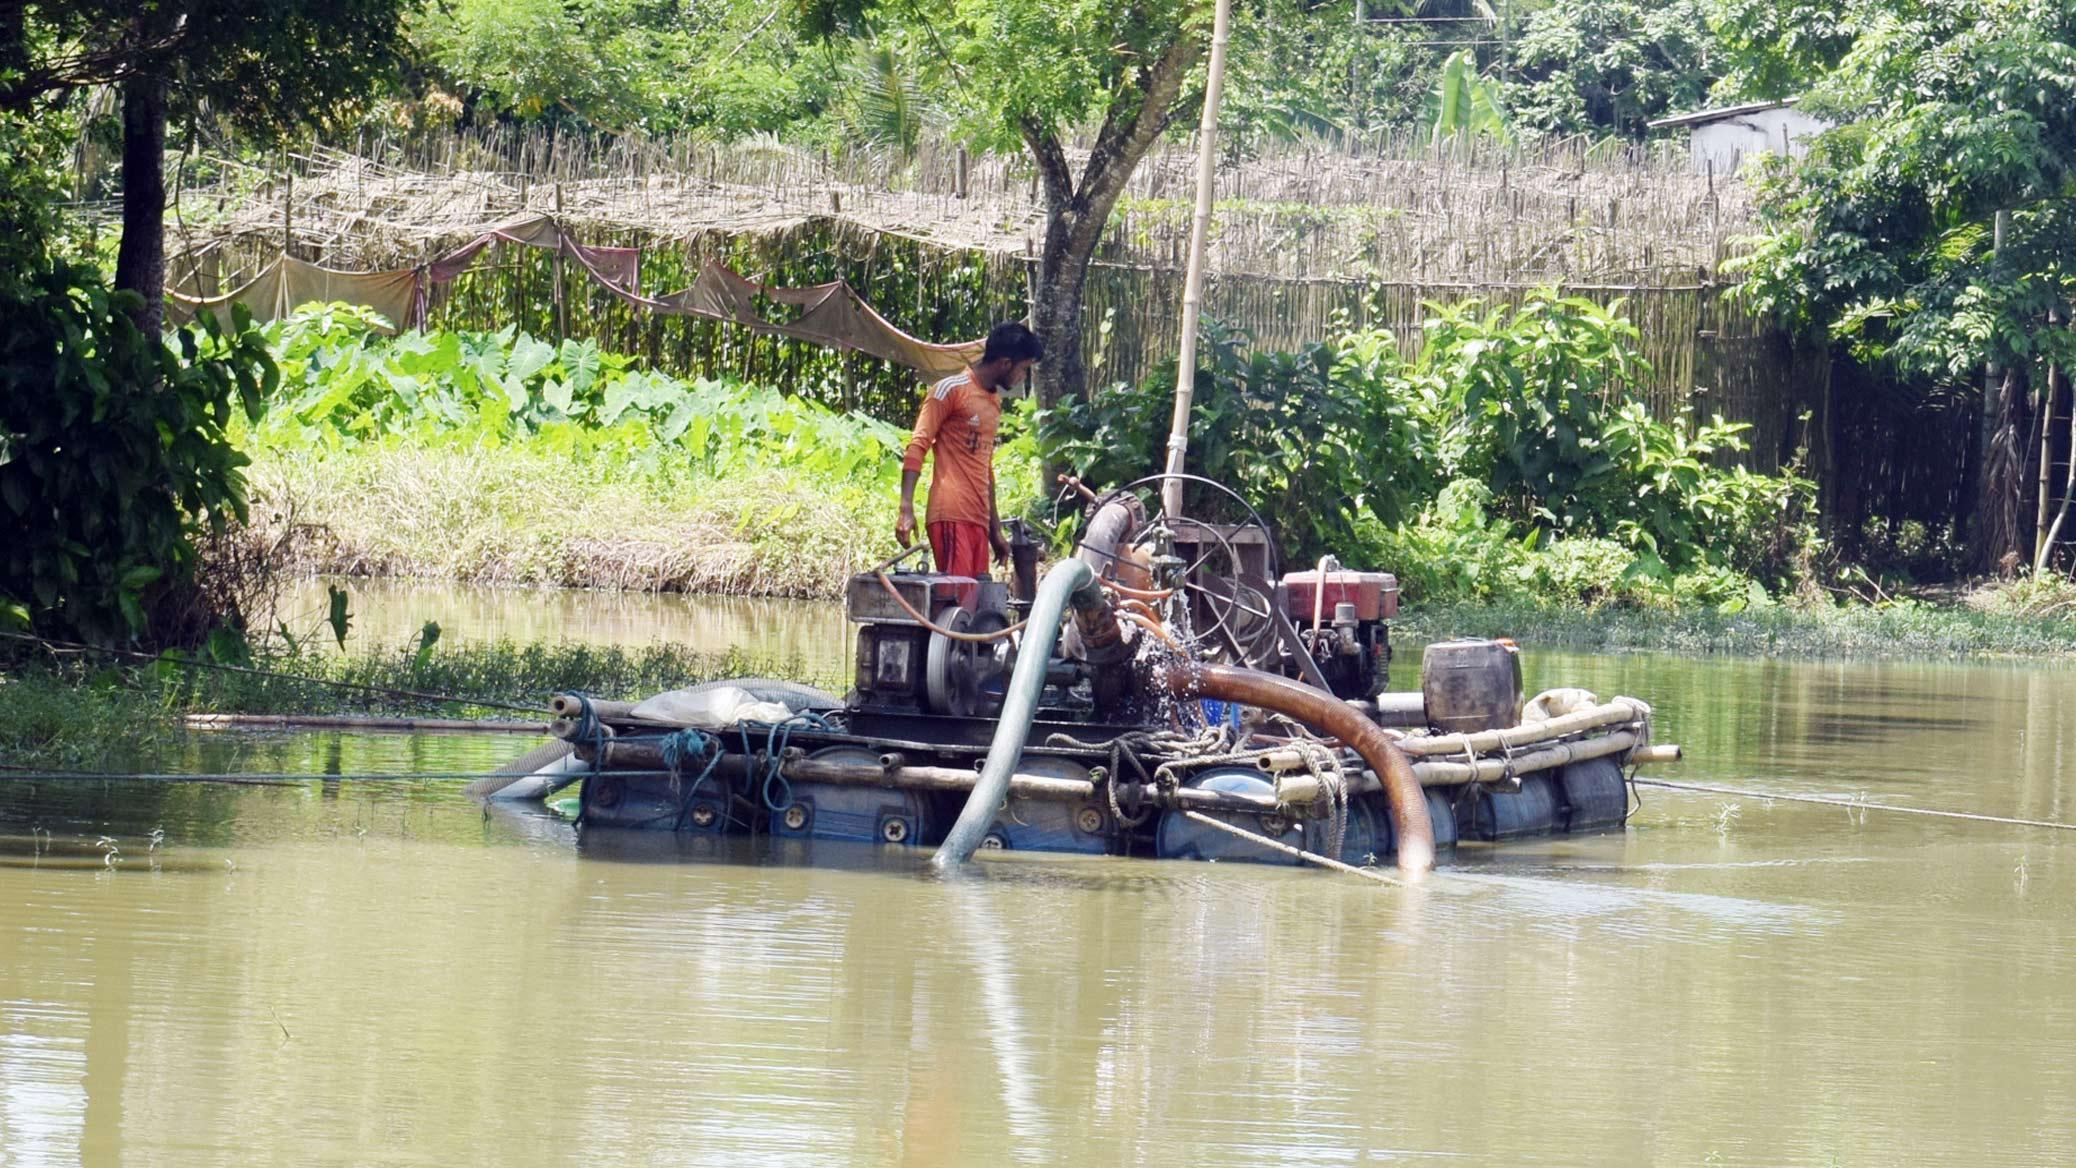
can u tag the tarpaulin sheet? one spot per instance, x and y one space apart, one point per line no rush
287 283
830 314
616 267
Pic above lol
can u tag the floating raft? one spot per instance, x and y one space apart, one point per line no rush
1086 789
1133 702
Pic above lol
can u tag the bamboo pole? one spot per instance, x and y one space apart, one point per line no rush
561 301
1618 712
647 755
1992 372
2041 543
2068 490
355 722
1434 773
1192 292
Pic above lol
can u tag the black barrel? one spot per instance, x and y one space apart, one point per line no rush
1593 794
1530 811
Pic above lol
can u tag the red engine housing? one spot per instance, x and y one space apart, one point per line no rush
1374 595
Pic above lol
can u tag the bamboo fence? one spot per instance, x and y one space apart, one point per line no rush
1304 241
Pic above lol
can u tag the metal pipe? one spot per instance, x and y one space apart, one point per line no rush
1069 582
1108 529
1406 710
359 722
1434 772
569 705
1328 714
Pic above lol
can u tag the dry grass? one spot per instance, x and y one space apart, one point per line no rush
2052 596
514 515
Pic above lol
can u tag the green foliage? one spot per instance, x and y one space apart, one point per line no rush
502 458
1609 66
1772 631
109 716
112 452
625 65
884 101
594 62
267 66
1311 438
1771 49
1466 104
343 383
1882 239
1458 550
1047 67
1506 459
2037 597
1547 422
1302 70
929 291
1532 382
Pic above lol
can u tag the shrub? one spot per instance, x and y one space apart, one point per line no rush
113 453
1315 439
1513 426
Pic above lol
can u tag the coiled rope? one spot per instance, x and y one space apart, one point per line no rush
776 737
681 747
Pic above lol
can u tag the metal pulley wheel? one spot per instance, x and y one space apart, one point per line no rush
966 679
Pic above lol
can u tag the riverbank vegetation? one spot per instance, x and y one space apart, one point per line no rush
1504 461
505 459
1500 464
97 713
92 711
1924 246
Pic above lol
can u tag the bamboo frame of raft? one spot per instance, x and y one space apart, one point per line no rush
1497 758
359 722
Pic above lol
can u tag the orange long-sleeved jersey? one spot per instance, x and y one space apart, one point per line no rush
958 420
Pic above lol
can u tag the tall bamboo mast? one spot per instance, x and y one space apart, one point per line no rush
1193 285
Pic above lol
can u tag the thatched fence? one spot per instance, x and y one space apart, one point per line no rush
942 243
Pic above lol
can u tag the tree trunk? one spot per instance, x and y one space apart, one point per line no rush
1078 211
1056 313
140 262
14 40
2001 497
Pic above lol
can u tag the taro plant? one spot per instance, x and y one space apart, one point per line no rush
344 383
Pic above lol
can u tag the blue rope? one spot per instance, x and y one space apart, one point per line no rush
777 735
591 731
690 745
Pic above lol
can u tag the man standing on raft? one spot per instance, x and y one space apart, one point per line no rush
958 418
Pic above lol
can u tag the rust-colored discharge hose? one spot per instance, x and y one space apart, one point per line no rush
1327 714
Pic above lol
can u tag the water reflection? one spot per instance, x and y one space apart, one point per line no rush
368 972
390 614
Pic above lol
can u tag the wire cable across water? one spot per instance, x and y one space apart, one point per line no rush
1852 804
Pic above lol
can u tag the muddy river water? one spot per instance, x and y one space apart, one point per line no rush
364 973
